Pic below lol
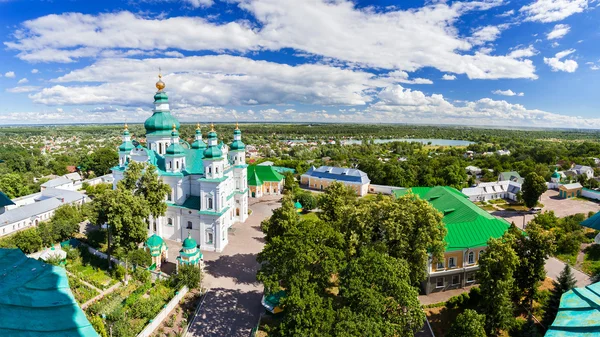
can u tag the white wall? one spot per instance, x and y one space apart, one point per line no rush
376 189
590 194
149 329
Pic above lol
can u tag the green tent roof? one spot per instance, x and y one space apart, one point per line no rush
468 225
578 314
298 205
35 299
189 243
126 146
5 200
592 222
263 173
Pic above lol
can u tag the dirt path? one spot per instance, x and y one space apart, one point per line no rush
102 293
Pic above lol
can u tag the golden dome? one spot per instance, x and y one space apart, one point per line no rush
160 85
237 126
212 127
197 126
126 127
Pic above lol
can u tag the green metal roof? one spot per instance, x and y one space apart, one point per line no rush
592 222
161 122
5 200
126 146
35 299
213 152
468 225
154 241
175 149
198 144
189 243
298 205
258 174
578 314
556 174
237 145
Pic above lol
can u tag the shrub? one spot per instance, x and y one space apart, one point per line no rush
98 325
28 240
457 301
188 275
119 272
141 275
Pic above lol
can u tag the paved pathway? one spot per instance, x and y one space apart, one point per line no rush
232 306
554 266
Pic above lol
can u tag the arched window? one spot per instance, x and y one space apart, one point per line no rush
170 221
217 170
471 258
189 225
210 203
177 164
159 148
169 166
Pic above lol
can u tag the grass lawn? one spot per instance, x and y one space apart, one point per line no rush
570 259
90 274
591 260
309 216
488 208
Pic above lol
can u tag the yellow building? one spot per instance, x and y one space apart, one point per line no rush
264 180
320 178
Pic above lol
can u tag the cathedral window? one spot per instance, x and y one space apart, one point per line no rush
170 221
210 203
189 225
209 238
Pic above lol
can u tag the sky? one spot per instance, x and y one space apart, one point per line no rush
519 63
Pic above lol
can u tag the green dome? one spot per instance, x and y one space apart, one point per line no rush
161 97
154 241
213 152
198 144
126 146
126 132
189 243
161 122
212 135
237 132
556 174
237 145
175 149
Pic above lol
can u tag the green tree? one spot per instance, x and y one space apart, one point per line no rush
307 199
188 275
12 185
565 282
283 219
65 221
139 257
533 250
46 233
336 203
154 190
533 187
102 160
290 184
547 220
28 240
468 323
496 267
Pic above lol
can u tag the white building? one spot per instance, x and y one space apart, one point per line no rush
61 182
209 191
41 208
580 170
505 189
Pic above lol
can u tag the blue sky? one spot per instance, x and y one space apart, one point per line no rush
489 62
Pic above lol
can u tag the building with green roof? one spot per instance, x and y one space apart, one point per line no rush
578 314
208 181
469 228
35 300
158 250
190 254
264 180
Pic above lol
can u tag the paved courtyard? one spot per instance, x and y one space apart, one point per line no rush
551 201
232 306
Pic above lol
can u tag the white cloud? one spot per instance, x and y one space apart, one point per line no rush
34 71
213 80
556 64
402 77
199 3
405 40
552 10
174 54
448 77
22 89
23 81
523 52
485 34
507 13
555 44
508 93
558 31
10 74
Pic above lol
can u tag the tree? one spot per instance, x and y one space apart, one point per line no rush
188 275
307 199
496 267
468 323
98 325
336 202
283 219
547 220
65 221
565 282
290 184
533 250
533 187
46 233
139 257
154 191
28 240
102 160
12 185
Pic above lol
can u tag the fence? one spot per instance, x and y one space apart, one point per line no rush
77 243
154 323
376 189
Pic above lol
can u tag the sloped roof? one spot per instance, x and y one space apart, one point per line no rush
5 200
264 173
578 314
339 173
51 198
56 182
592 222
571 186
253 179
35 299
468 225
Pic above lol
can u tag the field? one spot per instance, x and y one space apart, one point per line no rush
81 292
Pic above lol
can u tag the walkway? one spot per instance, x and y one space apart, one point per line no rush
232 305
554 266
102 293
84 282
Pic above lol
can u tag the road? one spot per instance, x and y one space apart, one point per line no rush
555 266
232 305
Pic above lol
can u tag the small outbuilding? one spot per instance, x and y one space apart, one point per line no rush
570 190
158 250
190 254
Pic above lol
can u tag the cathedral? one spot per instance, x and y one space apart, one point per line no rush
208 181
